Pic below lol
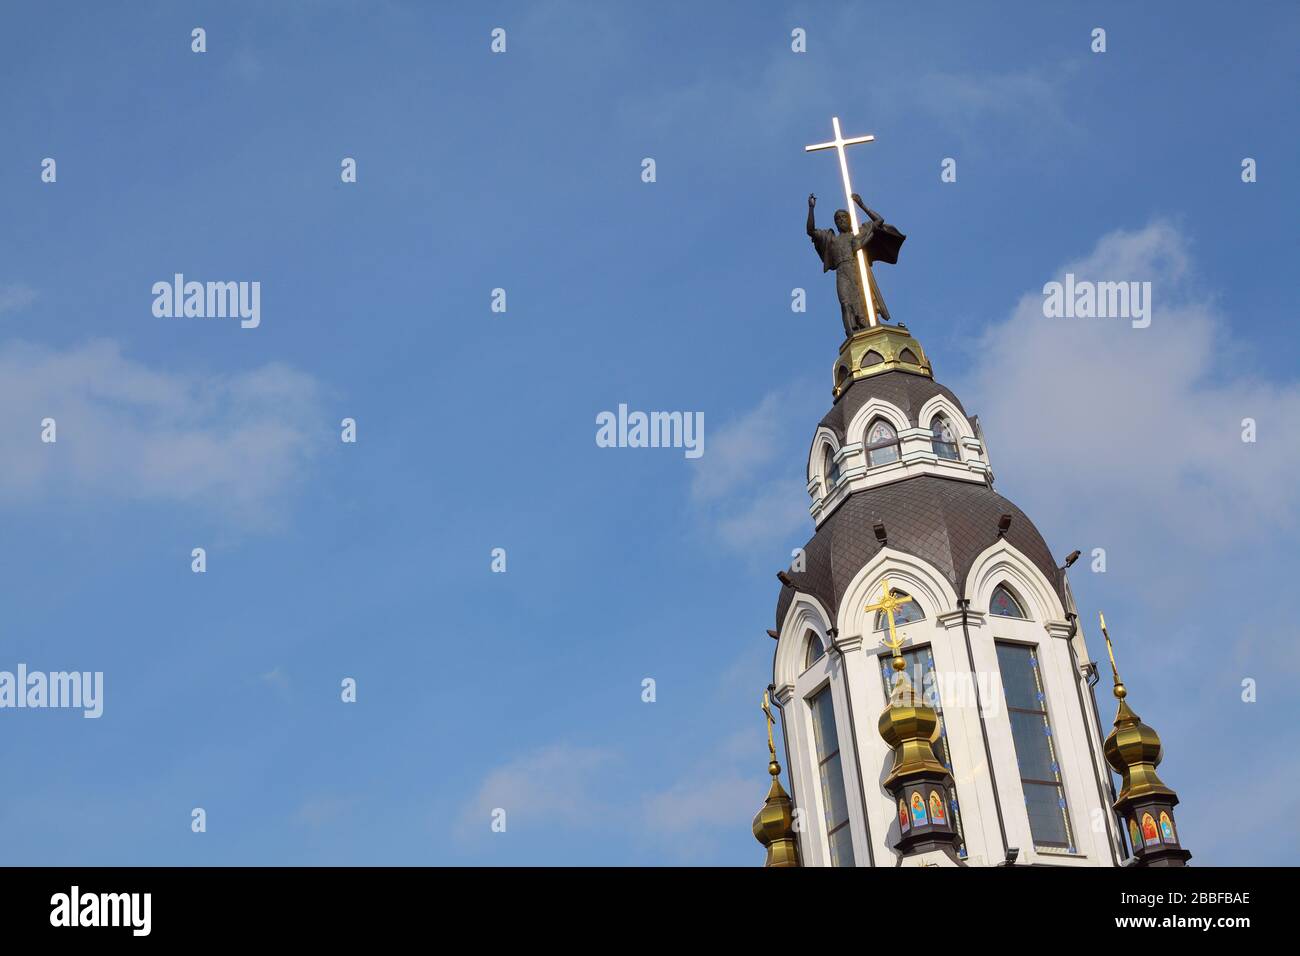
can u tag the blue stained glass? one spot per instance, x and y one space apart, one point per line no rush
1040 771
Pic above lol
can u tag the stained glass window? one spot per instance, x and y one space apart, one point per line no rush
832 779
920 671
1167 828
1004 603
1031 733
815 650
882 443
943 440
909 612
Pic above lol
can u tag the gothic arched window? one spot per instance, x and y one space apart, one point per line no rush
1004 603
830 469
909 612
815 651
908 356
872 357
943 439
882 443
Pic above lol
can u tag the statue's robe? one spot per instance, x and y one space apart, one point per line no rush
838 251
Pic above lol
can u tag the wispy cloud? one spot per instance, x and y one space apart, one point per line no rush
744 506
323 809
128 430
15 296
969 101
555 784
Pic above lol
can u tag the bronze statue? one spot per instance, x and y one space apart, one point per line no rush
838 250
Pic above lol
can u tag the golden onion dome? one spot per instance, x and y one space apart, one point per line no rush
910 727
1133 749
774 823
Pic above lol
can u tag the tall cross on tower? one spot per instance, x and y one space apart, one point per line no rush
838 144
889 603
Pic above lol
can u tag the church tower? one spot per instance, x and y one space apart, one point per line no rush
932 675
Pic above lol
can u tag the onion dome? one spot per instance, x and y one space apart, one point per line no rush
910 727
1134 750
921 786
774 822
1145 803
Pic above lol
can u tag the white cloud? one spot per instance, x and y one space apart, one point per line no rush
1141 428
746 508
718 792
727 800
554 784
126 430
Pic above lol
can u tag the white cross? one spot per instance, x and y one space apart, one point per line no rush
838 144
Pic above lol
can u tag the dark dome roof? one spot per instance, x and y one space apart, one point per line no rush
945 522
903 389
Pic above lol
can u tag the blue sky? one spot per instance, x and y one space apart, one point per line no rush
476 429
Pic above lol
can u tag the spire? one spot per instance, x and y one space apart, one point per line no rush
1145 803
774 822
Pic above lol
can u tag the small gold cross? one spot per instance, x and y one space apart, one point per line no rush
889 603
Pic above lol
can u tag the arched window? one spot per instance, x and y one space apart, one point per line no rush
909 612
882 443
1004 603
908 356
830 469
815 651
943 439
872 357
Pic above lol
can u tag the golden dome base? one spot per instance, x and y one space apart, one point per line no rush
873 351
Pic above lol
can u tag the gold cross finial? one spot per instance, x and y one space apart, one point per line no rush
838 144
767 710
1120 691
889 603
